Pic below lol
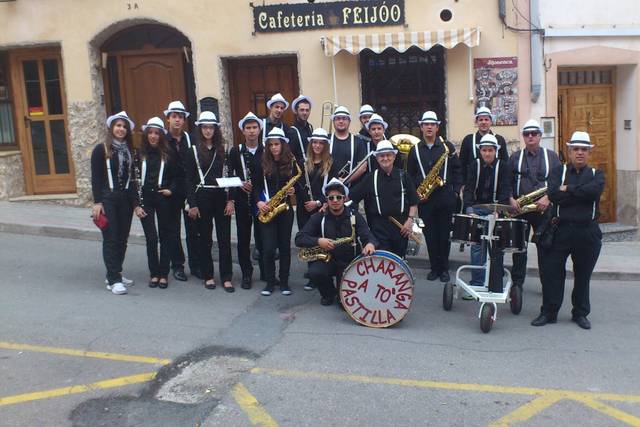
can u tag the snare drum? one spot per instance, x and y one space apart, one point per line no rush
511 234
468 228
377 290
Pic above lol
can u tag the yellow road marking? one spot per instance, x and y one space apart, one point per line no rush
528 410
611 411
83 353
251 406
76 389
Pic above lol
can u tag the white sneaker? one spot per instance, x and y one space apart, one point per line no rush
124 281
117 288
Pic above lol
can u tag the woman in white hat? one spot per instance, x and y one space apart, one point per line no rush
207 161
114 196
161 177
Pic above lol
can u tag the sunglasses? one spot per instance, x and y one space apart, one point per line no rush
530 133
335 198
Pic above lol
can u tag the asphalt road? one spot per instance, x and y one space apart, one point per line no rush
241 359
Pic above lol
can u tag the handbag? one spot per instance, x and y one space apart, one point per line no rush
101 221
543 236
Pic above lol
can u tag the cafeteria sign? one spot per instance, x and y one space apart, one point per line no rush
341 14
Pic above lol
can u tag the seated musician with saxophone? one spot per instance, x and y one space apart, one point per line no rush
530 169
275 181
331 240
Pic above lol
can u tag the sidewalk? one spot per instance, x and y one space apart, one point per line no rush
618 260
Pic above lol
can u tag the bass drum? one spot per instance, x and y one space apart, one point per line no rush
468 228
512 234
377 290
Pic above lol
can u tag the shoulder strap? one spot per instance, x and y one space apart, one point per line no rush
322 225
417 148
304 154
473 146
375 189
107 160
188 139
495 180
519 178
477 173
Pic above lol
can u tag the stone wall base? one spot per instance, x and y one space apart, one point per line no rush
628 197
11 176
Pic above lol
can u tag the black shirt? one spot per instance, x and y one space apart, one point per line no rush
317 181
532 172
251 163
580 203
274 182
467 151
429 157
99 175
299 139
268 125
481 189
341 151
172 175
389 194
192 174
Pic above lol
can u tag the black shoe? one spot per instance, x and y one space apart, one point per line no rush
433 275
163 285
543 319
153 284
327 301
179 274
231 289
268 290
246 282
285 289
444 277
582 321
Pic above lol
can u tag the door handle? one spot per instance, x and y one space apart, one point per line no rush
27 121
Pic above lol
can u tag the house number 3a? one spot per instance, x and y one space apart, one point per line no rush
132 6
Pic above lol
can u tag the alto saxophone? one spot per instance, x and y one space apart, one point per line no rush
316 253
526 202
433 179
277 204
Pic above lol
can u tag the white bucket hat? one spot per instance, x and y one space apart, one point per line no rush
341 111
366 109
176 107
277 98
335 182
320 134
122 115
376 118
484 111
429 117
299 99
531 125
207 118
155 122
488 140
580 139
277 133
385 146
249 117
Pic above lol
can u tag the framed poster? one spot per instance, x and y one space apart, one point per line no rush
496 81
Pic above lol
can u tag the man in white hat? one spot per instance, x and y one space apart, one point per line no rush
301 129
180 143
324 228
575 190
530 168
366 111
488 181
436 210
469 150
277 106
388 193
346 149
376 127
244 161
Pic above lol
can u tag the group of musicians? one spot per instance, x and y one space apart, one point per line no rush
330 174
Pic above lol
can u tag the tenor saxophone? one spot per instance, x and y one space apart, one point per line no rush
433 179
277 203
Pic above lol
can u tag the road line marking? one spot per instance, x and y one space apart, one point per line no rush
611 411
528 410
250 405
76 389
83 353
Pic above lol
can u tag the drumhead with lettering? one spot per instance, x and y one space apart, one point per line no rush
377 290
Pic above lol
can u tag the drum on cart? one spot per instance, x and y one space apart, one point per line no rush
511 234
377 290
468 229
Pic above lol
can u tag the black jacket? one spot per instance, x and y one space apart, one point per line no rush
474 187
192 176
100 181
251 163
429 157
172 176
580 203
275 182
389 194
317 181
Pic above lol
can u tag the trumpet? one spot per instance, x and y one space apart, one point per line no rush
327 111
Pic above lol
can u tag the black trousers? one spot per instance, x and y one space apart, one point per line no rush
119 211
388 235
244 223
436 215
582 243
157 205
519 269
191 231
277 234
211 204
322 273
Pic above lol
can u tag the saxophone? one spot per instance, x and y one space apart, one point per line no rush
526 201
433 179
277 204
316 253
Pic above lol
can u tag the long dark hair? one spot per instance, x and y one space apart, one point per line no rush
163 144
283 165
204 154
128 139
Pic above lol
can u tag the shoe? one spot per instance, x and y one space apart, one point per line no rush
444 277
231 289
433 275
179 274
327 301
309 286
153 284
117 288
246 282
209 285
163 285
123 280
268 290
582 321
284 289
543 319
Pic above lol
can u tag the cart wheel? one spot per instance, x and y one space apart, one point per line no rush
515 295
447 296
486 318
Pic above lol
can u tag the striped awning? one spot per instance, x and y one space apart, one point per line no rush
424 40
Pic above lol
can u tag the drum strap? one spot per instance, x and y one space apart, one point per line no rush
564 174
352 150
375 189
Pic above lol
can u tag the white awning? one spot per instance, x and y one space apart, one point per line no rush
424 40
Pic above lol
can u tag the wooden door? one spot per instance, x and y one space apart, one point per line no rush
253 81
41 108
591 109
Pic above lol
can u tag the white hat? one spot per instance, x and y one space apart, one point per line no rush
154 122
176 107
249 117
122 115
580 139
376 118
207 118
484 111
531 125
335 182
384 146
299 99
277 98
429 117
319 133
488 140
366 109
341 111
277 133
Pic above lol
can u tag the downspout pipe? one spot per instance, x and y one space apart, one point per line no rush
536 50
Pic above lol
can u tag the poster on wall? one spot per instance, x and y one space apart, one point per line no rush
496 81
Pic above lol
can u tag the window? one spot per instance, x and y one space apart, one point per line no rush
7 132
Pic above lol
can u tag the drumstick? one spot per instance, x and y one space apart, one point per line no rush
412 235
